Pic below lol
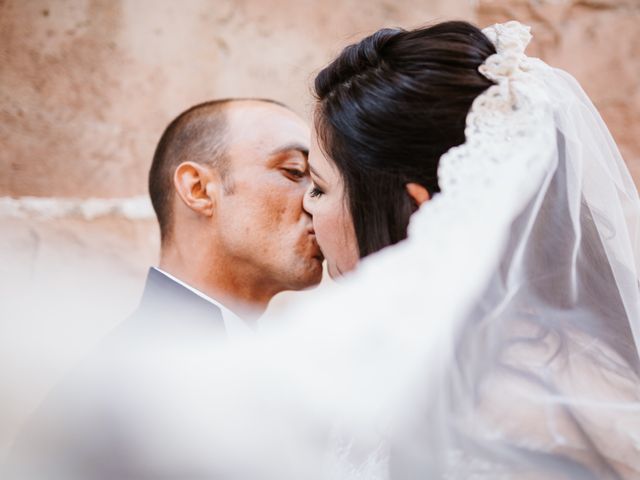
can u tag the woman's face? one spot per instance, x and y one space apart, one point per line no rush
326 202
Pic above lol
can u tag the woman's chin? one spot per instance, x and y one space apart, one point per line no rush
333 274
336 271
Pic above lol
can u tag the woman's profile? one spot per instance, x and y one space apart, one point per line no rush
546 360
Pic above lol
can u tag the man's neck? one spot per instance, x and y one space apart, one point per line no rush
217 279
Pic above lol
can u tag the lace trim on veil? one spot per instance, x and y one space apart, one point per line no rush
509 127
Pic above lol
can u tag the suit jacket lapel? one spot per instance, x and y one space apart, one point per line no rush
167 303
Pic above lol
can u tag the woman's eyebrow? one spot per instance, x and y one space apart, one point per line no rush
315 174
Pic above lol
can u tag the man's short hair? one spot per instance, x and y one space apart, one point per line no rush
199 134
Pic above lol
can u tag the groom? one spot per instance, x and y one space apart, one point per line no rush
226 184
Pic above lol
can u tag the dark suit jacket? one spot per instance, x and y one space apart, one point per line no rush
167 304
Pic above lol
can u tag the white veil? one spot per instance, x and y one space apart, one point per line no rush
499 340
546 372
502 337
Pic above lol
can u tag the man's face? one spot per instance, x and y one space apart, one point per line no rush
260 218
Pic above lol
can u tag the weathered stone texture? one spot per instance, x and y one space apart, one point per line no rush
86 86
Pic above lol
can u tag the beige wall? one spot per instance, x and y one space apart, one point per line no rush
86 87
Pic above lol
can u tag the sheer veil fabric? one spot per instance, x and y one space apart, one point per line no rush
545 378
504 333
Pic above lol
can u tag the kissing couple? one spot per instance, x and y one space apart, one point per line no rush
487 232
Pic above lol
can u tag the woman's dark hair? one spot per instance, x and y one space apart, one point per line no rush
388 108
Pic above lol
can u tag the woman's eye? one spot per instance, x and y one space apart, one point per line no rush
315 192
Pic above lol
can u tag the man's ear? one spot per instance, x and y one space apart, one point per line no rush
195 185
418 193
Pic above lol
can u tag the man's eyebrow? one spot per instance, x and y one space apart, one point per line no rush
292 147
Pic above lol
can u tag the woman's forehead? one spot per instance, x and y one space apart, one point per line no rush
320 165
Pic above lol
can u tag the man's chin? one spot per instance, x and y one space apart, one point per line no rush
311 276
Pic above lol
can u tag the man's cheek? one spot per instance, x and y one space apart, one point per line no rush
276 207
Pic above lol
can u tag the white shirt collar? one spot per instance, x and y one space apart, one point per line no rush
234 325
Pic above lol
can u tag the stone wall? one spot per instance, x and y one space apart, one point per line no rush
96 81
86 87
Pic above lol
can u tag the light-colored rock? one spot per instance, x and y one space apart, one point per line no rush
132 208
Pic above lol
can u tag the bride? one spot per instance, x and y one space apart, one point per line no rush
543 374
